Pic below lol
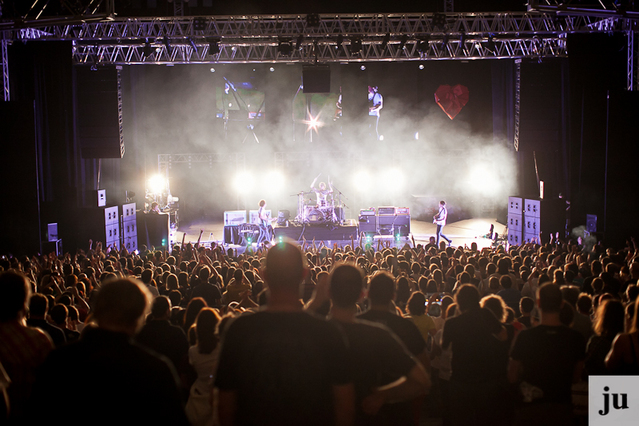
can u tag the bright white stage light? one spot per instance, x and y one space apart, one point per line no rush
362 180
363 67
313 123
392 180
274 181
212 69
416 135
271 69
156 184
421 66
243 181
484 179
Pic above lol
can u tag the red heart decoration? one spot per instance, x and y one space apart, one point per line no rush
451 99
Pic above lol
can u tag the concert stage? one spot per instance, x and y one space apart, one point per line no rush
463 233
316 232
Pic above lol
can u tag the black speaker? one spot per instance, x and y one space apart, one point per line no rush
368 224
316 79
99 112
394 225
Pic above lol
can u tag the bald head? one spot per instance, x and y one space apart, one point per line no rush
121 305
284 267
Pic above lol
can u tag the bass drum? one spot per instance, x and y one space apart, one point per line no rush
314 215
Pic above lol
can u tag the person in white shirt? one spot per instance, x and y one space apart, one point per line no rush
440 220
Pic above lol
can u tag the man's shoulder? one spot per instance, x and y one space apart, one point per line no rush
14 332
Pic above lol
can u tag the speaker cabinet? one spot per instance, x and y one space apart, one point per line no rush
99 112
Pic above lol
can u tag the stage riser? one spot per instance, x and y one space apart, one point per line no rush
319 233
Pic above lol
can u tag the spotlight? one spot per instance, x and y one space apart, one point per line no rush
148 50
199 23
214 47
363 181
422 46
271 69
402 42
490 45
284 47
212 69
313 20
385 41
462 39
439 21
356 46
243 182
339 41
363 67
274 181
421 66
156 184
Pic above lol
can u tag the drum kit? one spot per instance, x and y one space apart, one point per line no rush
309 212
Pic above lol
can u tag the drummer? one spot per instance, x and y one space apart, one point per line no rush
322 193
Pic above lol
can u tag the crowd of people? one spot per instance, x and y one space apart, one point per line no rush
315 335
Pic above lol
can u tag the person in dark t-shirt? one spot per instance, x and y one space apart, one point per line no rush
545 360
283 366
380 294
477 386
380 360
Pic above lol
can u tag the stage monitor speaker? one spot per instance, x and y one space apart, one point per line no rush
316 78
368 224
99 112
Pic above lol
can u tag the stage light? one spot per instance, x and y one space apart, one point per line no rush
285 48
274 180
362 180
271 69
339 41
363 67
148 50
381 137
421 66
484 179
298 43
356 46
199 23
392 179
439 21
416 135
385 41
490 45
313 123
156 184
214 47
313 20
422 45
402 42
243 181
212 69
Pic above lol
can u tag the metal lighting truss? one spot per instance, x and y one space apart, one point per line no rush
384 37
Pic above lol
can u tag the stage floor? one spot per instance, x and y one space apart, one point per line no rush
463 232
